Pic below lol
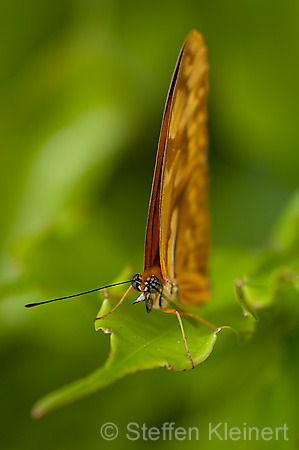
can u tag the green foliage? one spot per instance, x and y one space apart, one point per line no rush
82 88
140 342
276 267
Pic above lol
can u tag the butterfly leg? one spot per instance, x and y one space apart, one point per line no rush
185 314
119 303
160 298
174 311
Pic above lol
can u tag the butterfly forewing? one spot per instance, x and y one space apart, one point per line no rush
152 235
184 213
178 213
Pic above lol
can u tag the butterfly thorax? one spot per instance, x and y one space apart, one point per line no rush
151 288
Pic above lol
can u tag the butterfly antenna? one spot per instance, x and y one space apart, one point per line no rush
30 305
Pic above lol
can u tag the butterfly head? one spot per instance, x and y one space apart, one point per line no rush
150 284
150 288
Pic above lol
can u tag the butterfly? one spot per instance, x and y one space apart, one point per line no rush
177 232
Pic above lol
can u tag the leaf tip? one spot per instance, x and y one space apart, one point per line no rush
243 298
37 412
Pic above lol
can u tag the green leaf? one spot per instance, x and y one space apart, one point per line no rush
139 341
276 266
241 293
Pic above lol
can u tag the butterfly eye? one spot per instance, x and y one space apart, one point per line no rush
154 284
136 282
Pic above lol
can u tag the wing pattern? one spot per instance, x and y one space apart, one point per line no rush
179 191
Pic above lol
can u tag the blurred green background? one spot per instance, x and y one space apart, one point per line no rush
83 86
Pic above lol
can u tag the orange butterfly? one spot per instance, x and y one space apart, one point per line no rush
177 231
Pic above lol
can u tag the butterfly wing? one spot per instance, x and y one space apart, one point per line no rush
177 238
152 235
184 222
